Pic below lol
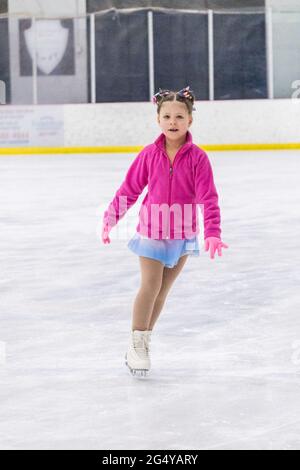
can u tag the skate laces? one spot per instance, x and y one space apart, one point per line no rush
140 344
148 340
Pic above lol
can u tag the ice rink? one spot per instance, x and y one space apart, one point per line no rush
225 351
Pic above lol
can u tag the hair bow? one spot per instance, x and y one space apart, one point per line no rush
160 94
186 93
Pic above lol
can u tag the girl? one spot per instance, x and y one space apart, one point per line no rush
179 178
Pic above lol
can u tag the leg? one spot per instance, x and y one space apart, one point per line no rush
169 276
151 280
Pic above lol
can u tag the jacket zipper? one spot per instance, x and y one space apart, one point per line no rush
170 189
171 169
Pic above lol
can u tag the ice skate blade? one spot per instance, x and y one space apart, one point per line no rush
140 373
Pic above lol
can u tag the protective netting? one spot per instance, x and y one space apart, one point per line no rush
240 70
119 55
3 6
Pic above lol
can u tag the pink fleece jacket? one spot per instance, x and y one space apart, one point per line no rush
175 192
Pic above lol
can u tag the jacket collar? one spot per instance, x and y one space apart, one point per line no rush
160 142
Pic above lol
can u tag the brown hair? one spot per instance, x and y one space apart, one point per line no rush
185 96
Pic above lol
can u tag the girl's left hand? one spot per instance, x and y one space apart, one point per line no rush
212 244
105 232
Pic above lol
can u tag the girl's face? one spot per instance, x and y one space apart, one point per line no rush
174 120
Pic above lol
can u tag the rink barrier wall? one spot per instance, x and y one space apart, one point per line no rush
122 149
128 127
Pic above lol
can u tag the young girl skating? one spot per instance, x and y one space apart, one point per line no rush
180 179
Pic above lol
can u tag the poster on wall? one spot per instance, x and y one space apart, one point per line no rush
53 41
26 126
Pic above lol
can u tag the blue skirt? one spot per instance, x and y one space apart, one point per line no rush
167 252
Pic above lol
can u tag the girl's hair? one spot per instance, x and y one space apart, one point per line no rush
186 96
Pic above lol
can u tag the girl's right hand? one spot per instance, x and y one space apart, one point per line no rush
105 232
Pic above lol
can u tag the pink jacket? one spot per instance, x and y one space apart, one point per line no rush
175 192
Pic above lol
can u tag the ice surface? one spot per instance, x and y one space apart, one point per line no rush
225 351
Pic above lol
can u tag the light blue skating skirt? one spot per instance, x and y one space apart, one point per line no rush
167 252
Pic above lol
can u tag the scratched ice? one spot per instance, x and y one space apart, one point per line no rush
226 349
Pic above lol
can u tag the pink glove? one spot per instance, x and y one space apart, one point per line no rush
212 244
105 232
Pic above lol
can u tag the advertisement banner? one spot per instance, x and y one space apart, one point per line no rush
26 126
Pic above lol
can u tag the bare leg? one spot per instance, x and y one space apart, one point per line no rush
169 276
151 280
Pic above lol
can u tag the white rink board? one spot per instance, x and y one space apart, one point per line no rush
135 124
215 123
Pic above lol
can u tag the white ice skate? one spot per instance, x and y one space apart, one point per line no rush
137 357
